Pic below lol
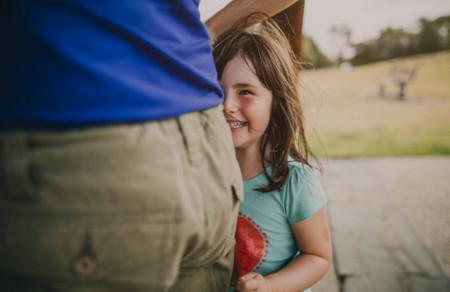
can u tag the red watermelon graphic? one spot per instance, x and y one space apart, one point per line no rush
251 247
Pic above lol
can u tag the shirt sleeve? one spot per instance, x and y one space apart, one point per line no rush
303 195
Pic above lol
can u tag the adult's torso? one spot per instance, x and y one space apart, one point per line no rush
75 63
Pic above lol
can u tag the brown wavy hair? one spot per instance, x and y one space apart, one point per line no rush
275 64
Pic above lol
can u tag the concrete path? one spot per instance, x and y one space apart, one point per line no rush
390 221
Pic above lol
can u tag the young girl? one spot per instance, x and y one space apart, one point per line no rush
282 238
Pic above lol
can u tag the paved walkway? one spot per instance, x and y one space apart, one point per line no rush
390 222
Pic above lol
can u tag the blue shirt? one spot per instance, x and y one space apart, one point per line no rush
84 62
264 239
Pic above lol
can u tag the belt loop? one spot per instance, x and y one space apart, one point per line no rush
184 136
15 165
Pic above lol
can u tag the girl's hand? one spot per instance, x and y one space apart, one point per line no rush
253 282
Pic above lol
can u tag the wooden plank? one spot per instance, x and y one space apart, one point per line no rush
420 284
373 283
390 283
358 284
290 21
375 247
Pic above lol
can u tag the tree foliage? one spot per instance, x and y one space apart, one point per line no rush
433 36
312 57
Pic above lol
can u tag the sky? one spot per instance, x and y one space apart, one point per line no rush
365 18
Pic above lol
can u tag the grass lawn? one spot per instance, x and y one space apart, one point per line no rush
346 118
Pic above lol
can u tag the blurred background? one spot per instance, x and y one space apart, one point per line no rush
376 92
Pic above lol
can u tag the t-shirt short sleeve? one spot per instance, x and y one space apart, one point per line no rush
303 195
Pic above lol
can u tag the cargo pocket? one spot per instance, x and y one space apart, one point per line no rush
132 243
134 249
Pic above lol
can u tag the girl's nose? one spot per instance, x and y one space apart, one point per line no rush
230 105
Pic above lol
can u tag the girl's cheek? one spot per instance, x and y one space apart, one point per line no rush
247 102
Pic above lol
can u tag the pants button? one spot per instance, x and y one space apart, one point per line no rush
84 265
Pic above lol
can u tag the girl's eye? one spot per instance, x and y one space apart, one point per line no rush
245 92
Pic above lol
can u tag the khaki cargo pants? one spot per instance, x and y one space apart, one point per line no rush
139 207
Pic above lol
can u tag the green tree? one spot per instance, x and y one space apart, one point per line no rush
443 28
393 43
428 39
434 35
365 52
312 56
343 36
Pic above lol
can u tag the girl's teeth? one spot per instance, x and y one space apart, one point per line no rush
236 125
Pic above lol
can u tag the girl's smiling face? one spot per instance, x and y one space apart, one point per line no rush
247 104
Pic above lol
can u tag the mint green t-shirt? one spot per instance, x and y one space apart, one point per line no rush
264 239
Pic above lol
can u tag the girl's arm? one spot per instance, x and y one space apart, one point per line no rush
237 10
306 269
